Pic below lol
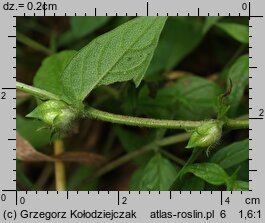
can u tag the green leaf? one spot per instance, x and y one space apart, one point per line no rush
221 106
135 180
119 55
196 97
22 177
138 102
209 172
237 31
78 176
190 98
210 21
192 184
232 154
179 37
240 186
243 173
238 73
131 141
48 75
84 25
158 174
32 131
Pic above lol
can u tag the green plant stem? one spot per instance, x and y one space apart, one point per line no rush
133 121
130 156
237 123
60 182
172 157
36 91
156 123
195 153
173 139
140 122
33 44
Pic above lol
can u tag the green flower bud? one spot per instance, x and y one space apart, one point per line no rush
55 113
206 135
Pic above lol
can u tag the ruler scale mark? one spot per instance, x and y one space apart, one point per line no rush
249 15
257 16
16 197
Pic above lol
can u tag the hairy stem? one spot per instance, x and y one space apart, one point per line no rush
157 123
140 122
60 183
33 44
133 121
36 91
173 157
237 123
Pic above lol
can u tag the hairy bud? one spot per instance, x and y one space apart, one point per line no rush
206 135
56 114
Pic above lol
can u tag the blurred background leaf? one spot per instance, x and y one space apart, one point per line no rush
84 25
131 141
238 73
189 98
237 31
33 130
49 74
158 174
179 37
232 155
209 172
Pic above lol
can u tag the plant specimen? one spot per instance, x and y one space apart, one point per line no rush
195 109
